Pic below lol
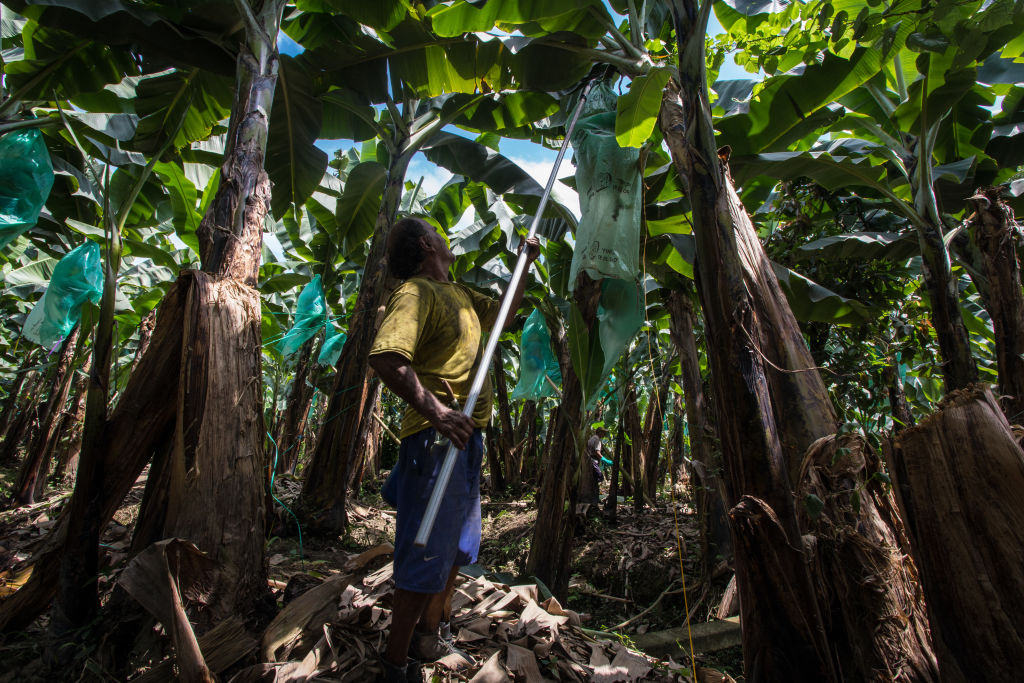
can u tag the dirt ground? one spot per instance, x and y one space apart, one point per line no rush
626 577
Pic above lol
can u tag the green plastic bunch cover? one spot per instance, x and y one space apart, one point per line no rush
620 315
310 316
608 181
536 362
77 278
26 176
330 352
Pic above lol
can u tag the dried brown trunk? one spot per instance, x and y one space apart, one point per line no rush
783 632
801 406
220 374
551 544
867 585
324 489
958 477
32 476
218 444
296 413
771 578
367 452
497 478
996 235
587 491
138 425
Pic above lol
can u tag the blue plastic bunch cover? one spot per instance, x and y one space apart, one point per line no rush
539 373
331 350
26 177
310 316
77 278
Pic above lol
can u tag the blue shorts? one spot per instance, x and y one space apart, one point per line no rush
455 540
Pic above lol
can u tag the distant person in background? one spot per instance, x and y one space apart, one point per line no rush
590 493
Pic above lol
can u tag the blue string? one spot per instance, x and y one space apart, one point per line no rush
273 475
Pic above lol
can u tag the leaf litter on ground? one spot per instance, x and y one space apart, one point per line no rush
334 632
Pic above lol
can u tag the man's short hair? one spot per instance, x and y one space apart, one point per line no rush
405 253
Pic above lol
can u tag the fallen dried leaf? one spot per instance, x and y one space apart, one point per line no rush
491 672
523 663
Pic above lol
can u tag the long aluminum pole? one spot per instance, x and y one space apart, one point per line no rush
430 514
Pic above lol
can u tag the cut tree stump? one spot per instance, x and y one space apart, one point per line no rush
959 478
867 584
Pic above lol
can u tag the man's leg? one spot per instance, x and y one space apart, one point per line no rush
406 610
439 607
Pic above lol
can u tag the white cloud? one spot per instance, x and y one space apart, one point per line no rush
540 171
434 177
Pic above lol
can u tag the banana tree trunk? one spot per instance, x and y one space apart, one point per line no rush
142 421
801 406
901 414
10 406
218 453
653 432
503 458
709 488
69 439
218 437
958 477
32 476
783 631
551 544
996 235
146 328
611 506
958 367
27 412
676 454
524 439
539 471
368 442
867 582
325 487
632 486
296 413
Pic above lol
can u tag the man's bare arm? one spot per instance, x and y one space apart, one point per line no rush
532 252
397 373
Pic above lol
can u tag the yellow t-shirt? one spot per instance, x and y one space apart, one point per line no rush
437 326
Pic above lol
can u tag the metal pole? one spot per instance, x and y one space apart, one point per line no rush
430 514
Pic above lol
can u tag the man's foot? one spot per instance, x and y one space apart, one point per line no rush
412 672
431 647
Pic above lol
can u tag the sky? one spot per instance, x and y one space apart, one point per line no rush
531 157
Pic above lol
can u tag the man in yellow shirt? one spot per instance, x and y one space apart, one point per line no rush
430 342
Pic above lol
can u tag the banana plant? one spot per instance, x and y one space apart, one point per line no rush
913 136
403 85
